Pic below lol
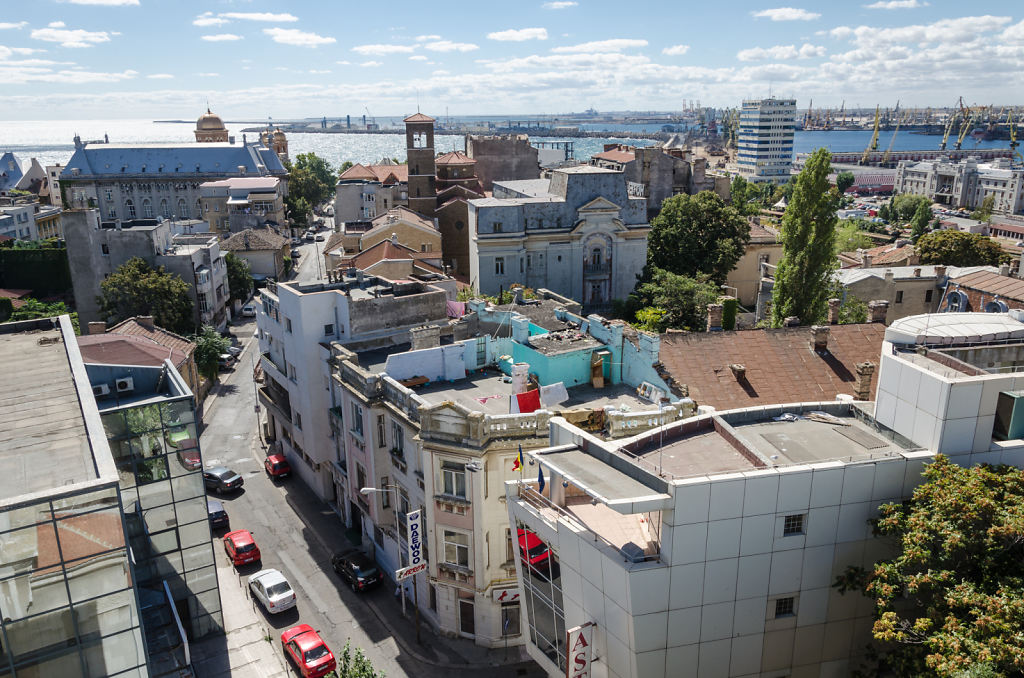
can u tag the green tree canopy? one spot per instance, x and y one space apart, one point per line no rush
919 222
32 309
849 237
697 234
671 300
209 347
311 180
744 196
904 207
136 288
844 180
345 165
952 596
984 213
808 243
959 248
239 277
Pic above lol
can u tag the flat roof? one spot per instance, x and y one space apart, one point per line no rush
44 443
601 481
953 329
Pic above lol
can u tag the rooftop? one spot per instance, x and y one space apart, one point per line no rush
536 188
251 183
254 239
169 159
847 276
955 329
587 169
127 349
616 155
1004 286
144 327
380 173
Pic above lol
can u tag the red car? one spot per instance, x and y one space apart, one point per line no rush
533 551
241 547
277 466
308 651
189 457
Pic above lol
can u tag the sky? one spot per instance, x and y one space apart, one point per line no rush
87 59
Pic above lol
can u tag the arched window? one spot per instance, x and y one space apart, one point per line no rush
199 210
182 208
129 208
147 209
165 209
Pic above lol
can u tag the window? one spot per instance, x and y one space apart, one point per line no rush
899 296
105 248
381 442
397 439
498 227
109 194
298 421
165 209
291 370
183 208
360 478
928 296
329 329
510 619
499 265
385 497
784 607
793 525
287 324
357 420
453 479
520 265
456 549
510 554
433 596
425 247
129 208
147 209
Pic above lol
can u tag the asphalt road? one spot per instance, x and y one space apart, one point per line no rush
323 601
311 262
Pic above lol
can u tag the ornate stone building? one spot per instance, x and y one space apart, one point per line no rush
210 127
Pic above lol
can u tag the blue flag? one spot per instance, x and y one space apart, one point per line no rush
540 478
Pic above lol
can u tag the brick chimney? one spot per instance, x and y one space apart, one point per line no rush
865 260
740 371
862 386
714 317
791 321
877 310
819 338
97 327
424 337
833 311
940 272
1004 270
917 273
145 321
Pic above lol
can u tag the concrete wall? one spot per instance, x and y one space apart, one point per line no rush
502 158
915 297
746 276
414 237
453 223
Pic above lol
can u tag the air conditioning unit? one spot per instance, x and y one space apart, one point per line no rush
125 384
100 390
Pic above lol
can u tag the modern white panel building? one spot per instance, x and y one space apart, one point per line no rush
765 139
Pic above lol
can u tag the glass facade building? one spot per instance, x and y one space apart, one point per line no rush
541 579
765 139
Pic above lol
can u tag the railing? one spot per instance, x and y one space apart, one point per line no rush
281 370
590 268
268 396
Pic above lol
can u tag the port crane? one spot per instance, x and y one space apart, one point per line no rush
1014 154
892 141
873 145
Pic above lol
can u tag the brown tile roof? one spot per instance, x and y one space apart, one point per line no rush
418 117
17 297
126 349
615 155
81 537
385 174
760 234
993 283
780 365
386 249
254 239
165 338
334 241
886 255
405 214
454 158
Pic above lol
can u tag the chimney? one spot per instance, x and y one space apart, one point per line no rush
940 273
394 238
877 310
97 327
819 338
1004 269
146 321
740 371
862 386
424 337
791 321
833 311
917 273
714 317
889 276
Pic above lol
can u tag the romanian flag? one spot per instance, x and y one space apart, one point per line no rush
517 465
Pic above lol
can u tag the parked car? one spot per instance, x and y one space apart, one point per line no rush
319 238
308 236
296 241
235 351
249 311
218 516
222 479
225 361
296 254
533 552
306 649
277 466
356 568
272 590
188 454
241 547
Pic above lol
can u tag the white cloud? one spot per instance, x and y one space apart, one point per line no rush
613 45
343 63
222 37
781 52
786 14
315 71
208 75
382 50
6 25
39 70
21 51
108 3
1014 33
519 35
676 50
440 72
208 19
559 4
371 64
259 16
896 4
449 46
418 57
160 76
56 32
293 36
425 38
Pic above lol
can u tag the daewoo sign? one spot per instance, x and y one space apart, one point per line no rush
417 563
579 641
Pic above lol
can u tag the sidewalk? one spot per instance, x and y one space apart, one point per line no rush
435 650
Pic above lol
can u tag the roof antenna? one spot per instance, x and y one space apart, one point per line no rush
207 104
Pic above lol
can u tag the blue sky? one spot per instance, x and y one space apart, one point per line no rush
74 59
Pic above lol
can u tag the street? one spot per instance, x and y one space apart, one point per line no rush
310 266
268 509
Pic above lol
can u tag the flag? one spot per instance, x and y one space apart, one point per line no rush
517 465
540 478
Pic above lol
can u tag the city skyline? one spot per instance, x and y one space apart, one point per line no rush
138 58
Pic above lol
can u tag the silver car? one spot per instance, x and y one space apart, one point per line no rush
272 590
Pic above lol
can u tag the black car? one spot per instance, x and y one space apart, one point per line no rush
218 516
357 569
221 479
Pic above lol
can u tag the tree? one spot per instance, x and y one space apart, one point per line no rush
311 180
952 596
32 309
344 166
209 347
649 318
298 209
904 207
239 277
844 180
919 223
984 213
808 242
354 664
697 234
849 237
136 288
683 300
6 308
744 195
958 248
884 212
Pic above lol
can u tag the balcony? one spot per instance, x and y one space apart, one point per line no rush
270 365
273 400
596 270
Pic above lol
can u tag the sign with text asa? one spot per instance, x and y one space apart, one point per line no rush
414 529
579 642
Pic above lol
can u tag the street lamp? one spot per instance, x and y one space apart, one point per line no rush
398 546
736 292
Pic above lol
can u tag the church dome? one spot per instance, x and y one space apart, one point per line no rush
209 121
278 134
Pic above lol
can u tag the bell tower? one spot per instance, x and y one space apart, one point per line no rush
419 142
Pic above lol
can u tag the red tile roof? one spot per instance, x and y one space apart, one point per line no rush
17 297
386 249
760 234
127 349
165 338
81 538
254 239
993 283
885 255
780 365
418 117
616 155
385 174
454 158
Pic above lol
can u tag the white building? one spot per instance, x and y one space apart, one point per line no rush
22 222
709 547
965 183
765 139
582 233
